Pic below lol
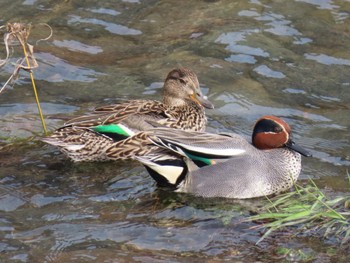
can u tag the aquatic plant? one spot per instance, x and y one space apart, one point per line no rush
19 32
309 211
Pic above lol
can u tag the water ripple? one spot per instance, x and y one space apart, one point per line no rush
327 60
55 69
105 11
10 203
267 72
242 58
253 111
277 24
29 2
22 108
245 53
321 4
77 46
40 200
111 27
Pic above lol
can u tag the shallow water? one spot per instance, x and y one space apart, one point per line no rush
288 58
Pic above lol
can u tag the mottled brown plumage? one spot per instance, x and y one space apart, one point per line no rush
182 108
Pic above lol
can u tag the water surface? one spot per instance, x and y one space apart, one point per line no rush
287 58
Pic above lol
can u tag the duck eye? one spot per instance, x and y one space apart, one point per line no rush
183 81
277 129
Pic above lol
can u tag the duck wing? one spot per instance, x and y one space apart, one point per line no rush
117 113
199 144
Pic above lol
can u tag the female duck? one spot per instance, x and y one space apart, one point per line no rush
85 138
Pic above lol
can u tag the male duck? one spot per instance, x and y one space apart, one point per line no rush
224 165
85 138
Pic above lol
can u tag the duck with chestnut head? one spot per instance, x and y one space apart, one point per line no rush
226 165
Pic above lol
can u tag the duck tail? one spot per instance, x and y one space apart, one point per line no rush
167 171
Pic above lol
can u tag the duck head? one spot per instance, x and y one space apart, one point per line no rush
182 85
272 132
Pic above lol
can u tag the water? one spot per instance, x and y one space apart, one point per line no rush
288 58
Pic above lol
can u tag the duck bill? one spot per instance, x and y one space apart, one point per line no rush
291 145
203 100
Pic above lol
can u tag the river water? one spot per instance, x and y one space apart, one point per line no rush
289 58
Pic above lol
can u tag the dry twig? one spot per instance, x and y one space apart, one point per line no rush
19 33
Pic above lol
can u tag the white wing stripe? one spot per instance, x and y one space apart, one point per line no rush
212 151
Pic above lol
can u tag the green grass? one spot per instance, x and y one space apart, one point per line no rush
307 210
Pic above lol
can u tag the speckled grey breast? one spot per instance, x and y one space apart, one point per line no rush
256 173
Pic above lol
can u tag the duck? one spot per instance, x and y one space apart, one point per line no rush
86 137
224 165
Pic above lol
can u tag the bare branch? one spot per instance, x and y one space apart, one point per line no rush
47 38
4 61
